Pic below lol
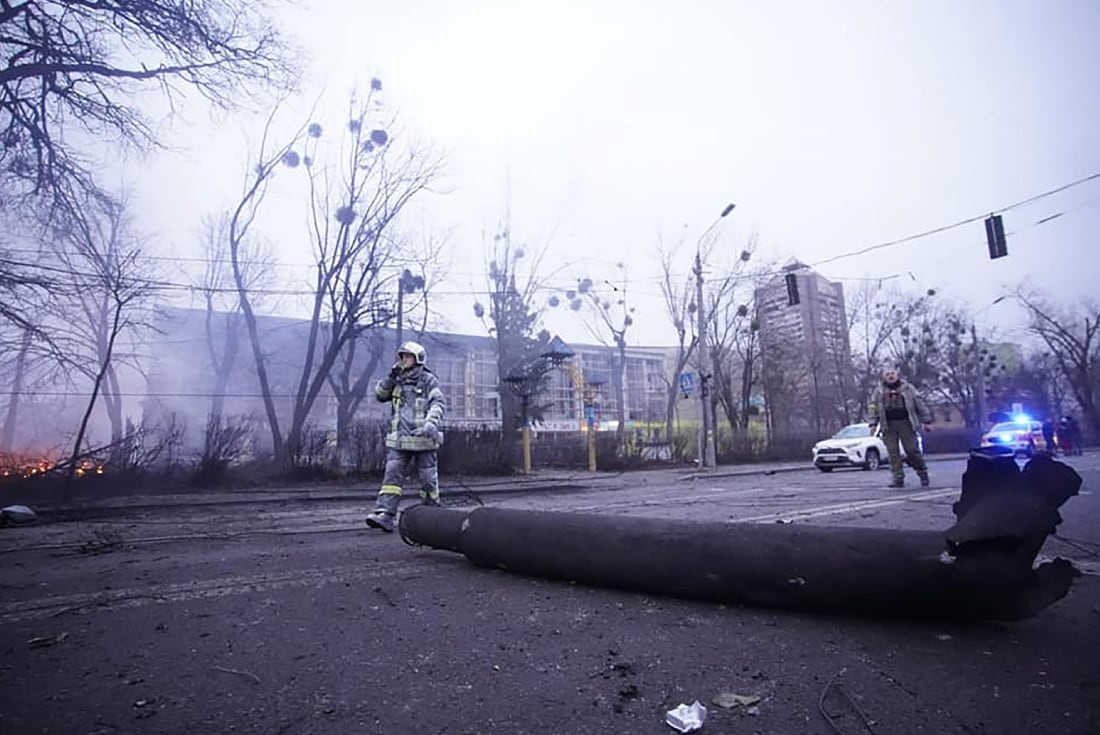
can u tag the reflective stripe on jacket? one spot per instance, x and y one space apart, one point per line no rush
416 400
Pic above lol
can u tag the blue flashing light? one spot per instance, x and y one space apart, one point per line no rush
1021 418
1006 437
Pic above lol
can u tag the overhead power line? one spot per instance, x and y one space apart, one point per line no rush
170 286
960 223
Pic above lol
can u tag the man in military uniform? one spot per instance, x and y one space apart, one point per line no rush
415 432
902 412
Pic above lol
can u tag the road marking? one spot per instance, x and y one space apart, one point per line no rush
662 497
47 607
841 508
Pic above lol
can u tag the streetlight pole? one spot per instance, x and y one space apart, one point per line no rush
408 283
707 438
979 362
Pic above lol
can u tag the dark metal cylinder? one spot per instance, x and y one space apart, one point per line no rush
859 571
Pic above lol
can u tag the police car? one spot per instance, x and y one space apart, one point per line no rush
1023 436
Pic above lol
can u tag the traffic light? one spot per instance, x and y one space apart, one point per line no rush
995 236
792 289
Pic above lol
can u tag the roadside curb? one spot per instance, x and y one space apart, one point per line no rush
795 468
452 488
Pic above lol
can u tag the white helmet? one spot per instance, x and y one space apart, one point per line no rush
415 349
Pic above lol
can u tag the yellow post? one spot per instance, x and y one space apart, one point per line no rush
526 449
591 448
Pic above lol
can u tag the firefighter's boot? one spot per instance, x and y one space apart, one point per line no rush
429 498
384 514
898 482
924 480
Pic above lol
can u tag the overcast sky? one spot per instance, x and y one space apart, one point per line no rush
832 125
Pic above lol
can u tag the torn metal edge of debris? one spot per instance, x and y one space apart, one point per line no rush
687 717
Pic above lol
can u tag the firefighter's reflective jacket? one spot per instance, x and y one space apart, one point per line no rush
417 405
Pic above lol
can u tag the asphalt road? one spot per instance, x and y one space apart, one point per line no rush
287 616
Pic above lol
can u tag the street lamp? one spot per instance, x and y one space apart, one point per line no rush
591 390
527 380
524 382
556 352
408 283
707 448
979 364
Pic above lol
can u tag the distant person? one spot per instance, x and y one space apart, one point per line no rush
1048 435
1069 436
415 432
901 412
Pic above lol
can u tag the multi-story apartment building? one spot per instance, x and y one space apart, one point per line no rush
182 380
806 355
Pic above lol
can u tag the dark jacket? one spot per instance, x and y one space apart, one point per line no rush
915 405
417 409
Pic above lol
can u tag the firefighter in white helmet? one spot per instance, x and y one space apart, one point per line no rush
415 432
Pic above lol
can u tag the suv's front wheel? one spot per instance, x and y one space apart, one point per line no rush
873 461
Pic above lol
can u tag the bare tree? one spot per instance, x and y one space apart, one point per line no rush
613 317
964 362
680 307
913 349
74 73
223 321
352 207
513 278
351 378
782 376
732 340
75 67
1072 336
876 316
109 292
269 159
29 355
1037 383
19 369
24 285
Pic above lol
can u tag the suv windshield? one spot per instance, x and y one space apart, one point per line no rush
856 431
1004 428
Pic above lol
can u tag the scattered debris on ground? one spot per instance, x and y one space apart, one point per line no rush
687 717
835 704
49 640
729 700
17 515
245 674
103 541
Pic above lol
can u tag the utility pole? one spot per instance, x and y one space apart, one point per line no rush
707 450
979 363
706 446
408 283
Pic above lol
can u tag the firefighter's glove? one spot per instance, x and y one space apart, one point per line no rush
428 431
395 370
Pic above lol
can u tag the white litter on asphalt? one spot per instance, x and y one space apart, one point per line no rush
687 717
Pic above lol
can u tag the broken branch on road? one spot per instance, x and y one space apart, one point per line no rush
48 640
246 674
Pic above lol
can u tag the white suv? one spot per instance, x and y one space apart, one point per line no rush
852 446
